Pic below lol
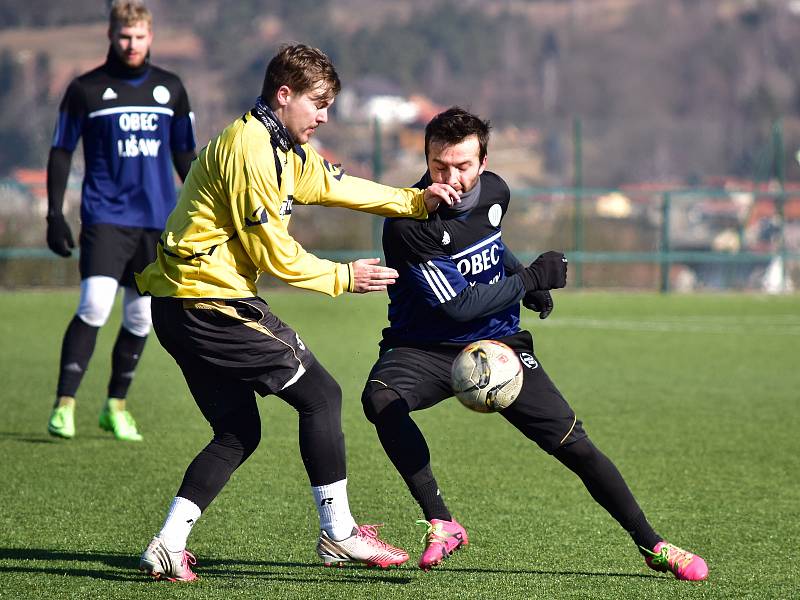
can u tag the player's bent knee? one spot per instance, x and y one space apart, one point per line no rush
136 316
316 391
321 386
97 300
330 388
94 313
378 402
234 442
581 451
250 443
139 327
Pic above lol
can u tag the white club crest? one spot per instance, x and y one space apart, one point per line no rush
495 214
527 359
161 94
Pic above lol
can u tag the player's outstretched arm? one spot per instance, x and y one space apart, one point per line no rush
439 281
540 301
481 299
370 276
323 183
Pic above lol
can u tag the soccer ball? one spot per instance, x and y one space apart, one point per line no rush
486 376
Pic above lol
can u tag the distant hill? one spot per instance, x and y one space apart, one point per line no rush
663 89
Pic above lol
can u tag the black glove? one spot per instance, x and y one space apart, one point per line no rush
59 237
547 272
540 301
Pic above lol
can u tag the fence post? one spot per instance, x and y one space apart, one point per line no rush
577 145
377 173
780 201
664 245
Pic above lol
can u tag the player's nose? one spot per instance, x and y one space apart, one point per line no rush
452 178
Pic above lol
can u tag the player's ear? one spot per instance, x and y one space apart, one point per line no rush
283 95
482 168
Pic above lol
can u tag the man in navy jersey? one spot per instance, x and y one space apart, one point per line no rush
136 125
458 283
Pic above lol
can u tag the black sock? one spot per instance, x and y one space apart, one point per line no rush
608 488
407 449
76 350
124 358
236 437
426 492
642 532
317 398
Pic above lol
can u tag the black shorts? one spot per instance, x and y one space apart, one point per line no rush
229 349
422 378
116 251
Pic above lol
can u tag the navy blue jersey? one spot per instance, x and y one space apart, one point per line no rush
130 126
442 260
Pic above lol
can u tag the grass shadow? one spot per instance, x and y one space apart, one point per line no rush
29 437
543 572
45 438
124 567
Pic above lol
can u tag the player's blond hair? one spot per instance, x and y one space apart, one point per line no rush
125 13
301 68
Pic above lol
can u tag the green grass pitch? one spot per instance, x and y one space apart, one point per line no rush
695 398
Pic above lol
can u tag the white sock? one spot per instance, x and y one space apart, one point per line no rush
334 509
182 516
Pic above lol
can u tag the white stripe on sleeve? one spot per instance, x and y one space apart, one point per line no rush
432 285
443 278
437 282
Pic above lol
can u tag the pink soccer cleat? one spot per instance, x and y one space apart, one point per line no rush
441 540
364 546
683 564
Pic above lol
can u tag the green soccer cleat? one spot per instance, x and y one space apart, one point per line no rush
121 424
62 421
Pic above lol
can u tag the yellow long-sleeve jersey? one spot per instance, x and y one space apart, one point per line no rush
230 222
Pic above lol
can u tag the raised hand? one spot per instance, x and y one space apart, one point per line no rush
547 272
436 193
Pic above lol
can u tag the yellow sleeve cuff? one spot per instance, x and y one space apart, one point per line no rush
351 278
344 273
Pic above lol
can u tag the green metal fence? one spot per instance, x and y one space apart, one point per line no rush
725 239
677 239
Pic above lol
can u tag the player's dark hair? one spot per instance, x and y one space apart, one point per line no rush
301 68
455 125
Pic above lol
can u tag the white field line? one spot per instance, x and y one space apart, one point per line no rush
750 324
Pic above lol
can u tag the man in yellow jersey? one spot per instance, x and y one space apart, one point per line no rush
230 225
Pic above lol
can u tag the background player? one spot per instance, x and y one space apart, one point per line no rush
136 124
230 225
458 283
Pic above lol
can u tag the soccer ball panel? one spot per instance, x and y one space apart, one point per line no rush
486 376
